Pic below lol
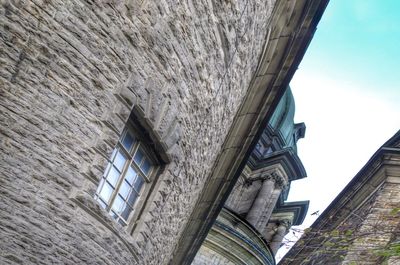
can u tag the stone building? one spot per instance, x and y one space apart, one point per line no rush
362 224
124 125
255 218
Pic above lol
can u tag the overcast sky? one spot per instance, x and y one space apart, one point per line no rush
347 91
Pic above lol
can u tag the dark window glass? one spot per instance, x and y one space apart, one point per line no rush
138 183
132 198
138 157
126 211
128 140
146 166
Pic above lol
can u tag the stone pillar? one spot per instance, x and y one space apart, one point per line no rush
266 199
281 231
263 221
259 204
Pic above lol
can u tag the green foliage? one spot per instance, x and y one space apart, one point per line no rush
395 211
329 244
392 250
356 238
348 233
335 233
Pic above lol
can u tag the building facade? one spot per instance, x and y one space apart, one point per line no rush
362 224
124 125
256 216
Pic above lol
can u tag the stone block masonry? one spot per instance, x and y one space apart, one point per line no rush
361 225
379 228
71 73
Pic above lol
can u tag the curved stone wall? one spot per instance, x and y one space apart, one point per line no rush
234 241
72 71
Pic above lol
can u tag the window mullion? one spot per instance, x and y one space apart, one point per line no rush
135 148
119 182
126 152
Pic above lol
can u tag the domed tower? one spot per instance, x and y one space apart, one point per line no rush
256 216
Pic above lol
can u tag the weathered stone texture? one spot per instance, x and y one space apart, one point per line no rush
327 248
361 226
71 72
378 228
372 226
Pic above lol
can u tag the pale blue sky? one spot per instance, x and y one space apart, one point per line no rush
347 91
359 41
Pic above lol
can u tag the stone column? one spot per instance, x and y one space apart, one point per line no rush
259 204
281 231
269 207
266 199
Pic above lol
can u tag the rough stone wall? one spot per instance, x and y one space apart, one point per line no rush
331 244
71 72
362 237
380 227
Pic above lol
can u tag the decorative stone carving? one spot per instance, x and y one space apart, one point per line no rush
276 174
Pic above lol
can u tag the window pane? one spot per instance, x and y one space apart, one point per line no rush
113 176
114 215
119 161
138 183
118 203
132 198
146 166
138 156
126 211
106 192
128 141
131 175
102 204
124 190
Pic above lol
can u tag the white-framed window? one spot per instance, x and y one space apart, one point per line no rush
128 170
